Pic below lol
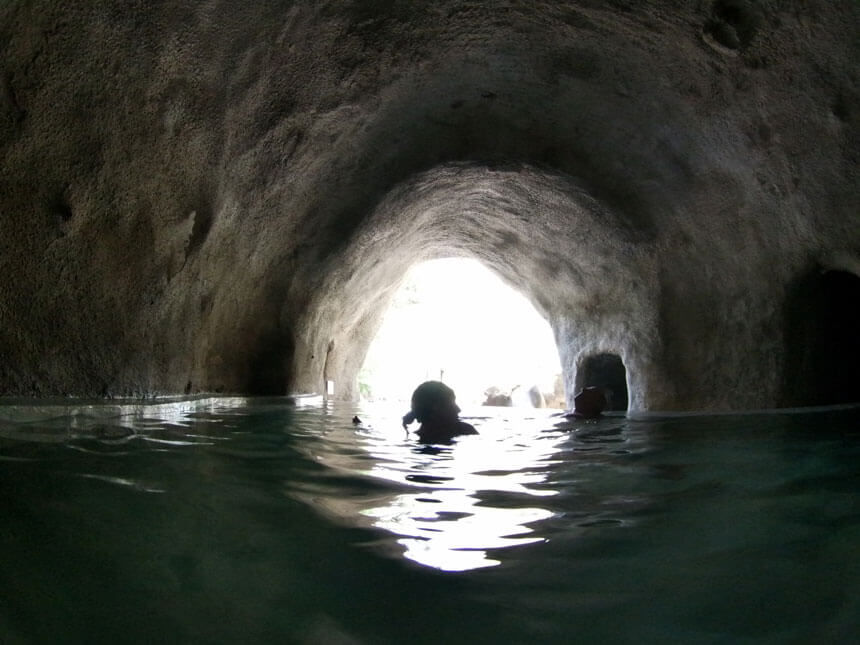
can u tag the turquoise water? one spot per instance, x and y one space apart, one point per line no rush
256 521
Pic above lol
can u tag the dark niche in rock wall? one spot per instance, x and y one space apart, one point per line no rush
823 339
607 372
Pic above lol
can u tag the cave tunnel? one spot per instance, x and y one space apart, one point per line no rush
517 221
230 204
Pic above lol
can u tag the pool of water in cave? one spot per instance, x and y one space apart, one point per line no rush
258 521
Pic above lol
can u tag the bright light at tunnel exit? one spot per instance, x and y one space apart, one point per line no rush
454 320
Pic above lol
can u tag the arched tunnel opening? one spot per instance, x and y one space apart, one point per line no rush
606 371
822 338
581 265
455 320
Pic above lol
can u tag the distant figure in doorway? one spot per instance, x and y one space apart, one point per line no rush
589 403
434 406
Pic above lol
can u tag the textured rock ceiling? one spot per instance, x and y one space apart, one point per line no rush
222 196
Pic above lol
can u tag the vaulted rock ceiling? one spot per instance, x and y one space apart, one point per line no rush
222 196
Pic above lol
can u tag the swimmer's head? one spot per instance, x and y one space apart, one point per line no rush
432 401
590 402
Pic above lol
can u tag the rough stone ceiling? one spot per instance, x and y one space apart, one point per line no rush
222 196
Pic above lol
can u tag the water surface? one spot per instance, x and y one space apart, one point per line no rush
224 520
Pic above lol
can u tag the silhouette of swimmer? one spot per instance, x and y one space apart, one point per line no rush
434 405
589 403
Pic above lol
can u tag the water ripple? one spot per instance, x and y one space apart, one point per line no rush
452 507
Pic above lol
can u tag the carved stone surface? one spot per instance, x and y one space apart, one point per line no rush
223 196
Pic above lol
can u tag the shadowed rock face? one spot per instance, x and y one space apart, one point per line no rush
222 196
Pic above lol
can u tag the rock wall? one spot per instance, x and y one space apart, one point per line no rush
221 196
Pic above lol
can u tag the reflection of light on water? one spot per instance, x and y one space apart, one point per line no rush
464 501
448 530
454 507
122 481
56 420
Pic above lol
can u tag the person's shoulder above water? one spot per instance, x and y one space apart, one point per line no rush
433 433
466 428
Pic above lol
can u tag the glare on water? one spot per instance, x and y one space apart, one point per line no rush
256 520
